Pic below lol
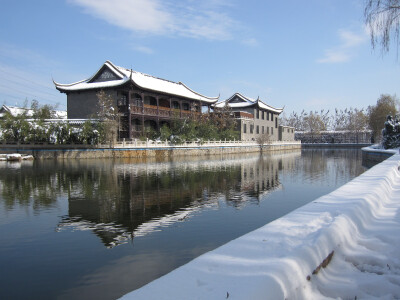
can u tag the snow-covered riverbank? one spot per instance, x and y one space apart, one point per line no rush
15 157
342 245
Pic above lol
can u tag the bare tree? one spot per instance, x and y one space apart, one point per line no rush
263 139
383 19
107 113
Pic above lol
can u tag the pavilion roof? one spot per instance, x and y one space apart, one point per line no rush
237 100
110 75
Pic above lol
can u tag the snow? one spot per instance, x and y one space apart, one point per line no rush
247 102
143 80
16 111
359 223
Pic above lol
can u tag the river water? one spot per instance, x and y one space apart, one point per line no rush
86 229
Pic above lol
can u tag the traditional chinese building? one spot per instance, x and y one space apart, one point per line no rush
256 118
143 100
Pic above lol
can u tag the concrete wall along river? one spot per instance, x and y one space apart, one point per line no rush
141 149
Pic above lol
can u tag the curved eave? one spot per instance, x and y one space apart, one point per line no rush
249 103
84 85
141 80
211 100
270 108
192 95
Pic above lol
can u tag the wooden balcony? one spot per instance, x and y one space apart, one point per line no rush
163 112
243 115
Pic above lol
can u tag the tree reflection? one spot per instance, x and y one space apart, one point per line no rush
122 199
133 199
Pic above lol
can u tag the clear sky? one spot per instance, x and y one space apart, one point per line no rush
312 54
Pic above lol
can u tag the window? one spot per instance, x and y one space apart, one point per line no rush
272 116
267 115
244 128
185 106
258 129
262 129
251 129
175 105
137 99
267 130
122 100
262 115
258 113
276 122
272 130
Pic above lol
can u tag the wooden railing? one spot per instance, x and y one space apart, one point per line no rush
242 114
151 110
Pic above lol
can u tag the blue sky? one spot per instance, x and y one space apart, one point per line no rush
312 55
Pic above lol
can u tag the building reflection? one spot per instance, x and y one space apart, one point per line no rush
122 199
126 199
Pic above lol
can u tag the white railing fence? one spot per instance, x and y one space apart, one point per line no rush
136 143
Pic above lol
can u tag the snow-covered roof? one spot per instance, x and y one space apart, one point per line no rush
110 75
17 111
246 102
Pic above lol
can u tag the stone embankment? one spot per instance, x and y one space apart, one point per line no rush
143 149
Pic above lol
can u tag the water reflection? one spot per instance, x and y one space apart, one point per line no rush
135 199
122 199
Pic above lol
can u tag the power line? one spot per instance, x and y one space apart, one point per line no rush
29 87
27 80
32 95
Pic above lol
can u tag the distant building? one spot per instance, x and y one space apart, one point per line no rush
255 118
17 111
142 100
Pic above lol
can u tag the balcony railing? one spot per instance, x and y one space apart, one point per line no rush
243 115
166 112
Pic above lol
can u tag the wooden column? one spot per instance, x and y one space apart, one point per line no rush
158 112
142 94
129 116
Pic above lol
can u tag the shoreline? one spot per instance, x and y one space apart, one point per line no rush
145 150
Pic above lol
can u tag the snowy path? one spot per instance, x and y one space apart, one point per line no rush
359 223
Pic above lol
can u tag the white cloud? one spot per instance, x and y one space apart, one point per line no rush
345 50
143 49
335 56
191 19
138 15
252 42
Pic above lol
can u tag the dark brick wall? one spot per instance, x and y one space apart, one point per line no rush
84 104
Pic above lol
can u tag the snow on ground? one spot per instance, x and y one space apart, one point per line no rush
290 258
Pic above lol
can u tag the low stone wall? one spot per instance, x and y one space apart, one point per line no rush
60 153
372 156
326 145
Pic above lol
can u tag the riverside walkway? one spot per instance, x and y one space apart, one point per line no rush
342 245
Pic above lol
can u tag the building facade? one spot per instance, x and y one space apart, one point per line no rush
255 118
143 101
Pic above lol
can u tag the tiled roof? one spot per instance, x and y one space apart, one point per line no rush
122 75
247 102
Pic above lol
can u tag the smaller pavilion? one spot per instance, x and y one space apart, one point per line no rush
254 117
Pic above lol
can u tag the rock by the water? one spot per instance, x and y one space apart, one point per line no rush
14 157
